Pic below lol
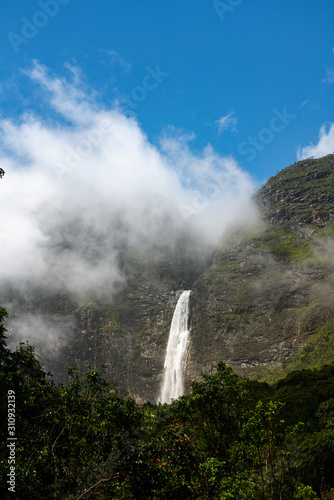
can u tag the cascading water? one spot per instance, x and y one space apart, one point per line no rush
177 351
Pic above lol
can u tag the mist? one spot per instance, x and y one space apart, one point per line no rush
83 184
48 333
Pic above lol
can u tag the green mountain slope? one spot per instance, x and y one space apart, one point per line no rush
263 304
268 298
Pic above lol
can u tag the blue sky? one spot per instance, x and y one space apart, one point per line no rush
226 72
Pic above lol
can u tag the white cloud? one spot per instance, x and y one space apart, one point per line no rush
226 122
116 59
304 103
329 77
48 333
324 146
71 100
75 195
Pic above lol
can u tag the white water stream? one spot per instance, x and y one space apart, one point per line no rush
177 352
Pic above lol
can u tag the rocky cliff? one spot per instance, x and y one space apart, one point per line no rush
263 300
268 298
126 331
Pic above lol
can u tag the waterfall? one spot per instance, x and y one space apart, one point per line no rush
177 351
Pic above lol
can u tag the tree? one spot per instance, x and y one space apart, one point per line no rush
263 433
4 352
2 173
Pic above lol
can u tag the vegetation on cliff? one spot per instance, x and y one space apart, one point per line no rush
268 299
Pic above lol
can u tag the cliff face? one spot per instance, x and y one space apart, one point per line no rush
270 289
127 332
265 300
301 195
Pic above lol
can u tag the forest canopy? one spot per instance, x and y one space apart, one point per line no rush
230 438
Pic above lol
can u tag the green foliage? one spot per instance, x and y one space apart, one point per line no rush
290 246
4 353
305 493
230 438
319 350
282 241
264 433
2 173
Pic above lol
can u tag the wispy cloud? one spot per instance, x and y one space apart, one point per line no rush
226 122
324 146
116 59
329 76
304 103
69 99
